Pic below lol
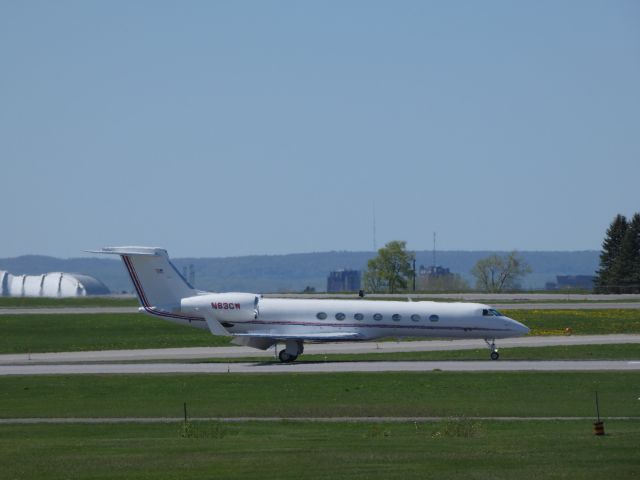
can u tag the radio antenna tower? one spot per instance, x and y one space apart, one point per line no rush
434 249
375 244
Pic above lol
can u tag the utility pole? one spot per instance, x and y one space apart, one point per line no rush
414 274
375 246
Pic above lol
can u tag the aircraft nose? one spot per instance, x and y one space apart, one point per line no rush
520 328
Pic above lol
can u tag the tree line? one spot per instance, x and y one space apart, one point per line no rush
392 270
620 257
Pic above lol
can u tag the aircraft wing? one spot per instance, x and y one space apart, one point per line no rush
322 336
263 340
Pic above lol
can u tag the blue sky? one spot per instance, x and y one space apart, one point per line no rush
221 128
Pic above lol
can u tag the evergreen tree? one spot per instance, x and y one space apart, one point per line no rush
635 278
625 266
607 279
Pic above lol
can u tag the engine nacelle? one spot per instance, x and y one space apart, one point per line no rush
225 307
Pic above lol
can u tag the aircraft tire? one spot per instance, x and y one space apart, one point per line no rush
495 355
285 357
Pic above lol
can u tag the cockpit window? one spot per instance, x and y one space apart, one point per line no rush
491 312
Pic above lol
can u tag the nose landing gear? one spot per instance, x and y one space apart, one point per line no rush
491 343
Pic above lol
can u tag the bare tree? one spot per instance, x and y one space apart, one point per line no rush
496 273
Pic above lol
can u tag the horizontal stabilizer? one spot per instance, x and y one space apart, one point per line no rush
151 251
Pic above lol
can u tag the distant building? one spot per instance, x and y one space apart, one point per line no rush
57 284
435 278
433 271
572 282
344 281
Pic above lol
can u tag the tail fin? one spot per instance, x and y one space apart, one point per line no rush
158 283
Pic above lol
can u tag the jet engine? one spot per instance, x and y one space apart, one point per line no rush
225 307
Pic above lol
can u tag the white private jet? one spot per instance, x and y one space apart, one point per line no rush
260 322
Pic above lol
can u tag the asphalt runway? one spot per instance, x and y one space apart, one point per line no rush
317 367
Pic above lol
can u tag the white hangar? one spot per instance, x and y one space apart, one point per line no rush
57 284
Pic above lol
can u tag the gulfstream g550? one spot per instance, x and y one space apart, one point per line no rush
262 322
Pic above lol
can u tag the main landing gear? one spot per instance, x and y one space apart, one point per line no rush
491 343
291 352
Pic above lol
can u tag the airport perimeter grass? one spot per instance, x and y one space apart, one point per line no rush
519 394
81 332
456 449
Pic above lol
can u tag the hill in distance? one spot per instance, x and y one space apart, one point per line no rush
292 273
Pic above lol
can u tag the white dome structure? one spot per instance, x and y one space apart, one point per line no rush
56 284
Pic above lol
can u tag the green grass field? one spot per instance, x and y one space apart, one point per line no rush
451 450
581 322
81 332
458 448
77 332
520 394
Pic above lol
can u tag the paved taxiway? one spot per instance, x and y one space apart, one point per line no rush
478 297
583 305
113 420
71 362
317 367
195 353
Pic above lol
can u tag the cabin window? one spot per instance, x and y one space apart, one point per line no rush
434 318
415 317
340 316
396 317
377 317
358 316
321 316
